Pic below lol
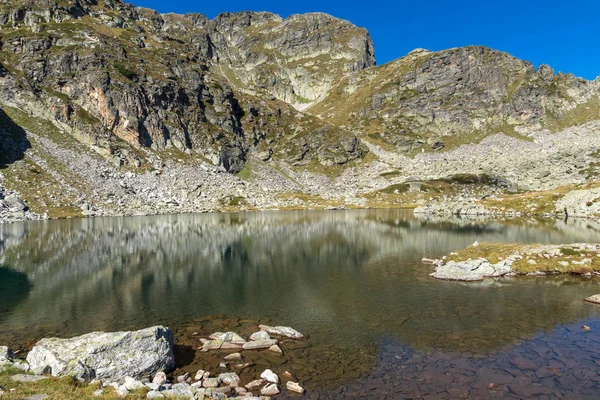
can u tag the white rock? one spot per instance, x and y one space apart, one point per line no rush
99 393
199 375
255 384
230 378
282 331
270 376
154 395
233 357
294 387
276 349
160 378
270 390
132 384
260 335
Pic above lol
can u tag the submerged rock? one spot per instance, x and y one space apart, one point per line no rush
259 344
105 356
270 390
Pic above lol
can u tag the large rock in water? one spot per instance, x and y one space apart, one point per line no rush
106 356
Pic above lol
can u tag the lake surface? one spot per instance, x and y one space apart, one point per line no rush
352 281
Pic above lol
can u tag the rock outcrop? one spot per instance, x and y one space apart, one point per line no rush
106 356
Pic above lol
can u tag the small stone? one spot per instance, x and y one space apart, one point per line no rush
131 384
183 378
23 366
240 391
210 383
199 375
260 335
224 390
276 349
42 396
242 366
154 395
255 384
288 375
230 378
270 376
586 328
212 345
233 357
230 337
294 387
270 390
122 391
99 393
223 365
160 378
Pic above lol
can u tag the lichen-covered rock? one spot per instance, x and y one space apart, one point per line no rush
105 356
471 270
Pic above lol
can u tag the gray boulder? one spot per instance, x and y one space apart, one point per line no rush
105 356
471 270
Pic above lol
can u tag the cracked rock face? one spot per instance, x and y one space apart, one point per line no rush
139 354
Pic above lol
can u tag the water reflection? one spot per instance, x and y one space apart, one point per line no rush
347 278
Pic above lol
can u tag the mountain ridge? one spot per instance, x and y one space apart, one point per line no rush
295 110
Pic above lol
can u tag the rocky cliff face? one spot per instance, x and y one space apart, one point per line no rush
456 96
109 108
113 73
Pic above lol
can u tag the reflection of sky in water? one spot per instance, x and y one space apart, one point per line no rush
350 277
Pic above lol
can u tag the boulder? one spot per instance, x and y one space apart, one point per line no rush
105 356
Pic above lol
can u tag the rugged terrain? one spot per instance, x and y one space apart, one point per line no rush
111 109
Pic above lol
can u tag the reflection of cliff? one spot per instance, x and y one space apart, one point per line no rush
317 271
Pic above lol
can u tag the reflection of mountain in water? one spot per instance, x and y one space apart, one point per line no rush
318 271
14 288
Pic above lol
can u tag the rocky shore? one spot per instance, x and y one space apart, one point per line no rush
494 260
141 364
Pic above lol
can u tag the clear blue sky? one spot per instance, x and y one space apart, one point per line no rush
564 34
